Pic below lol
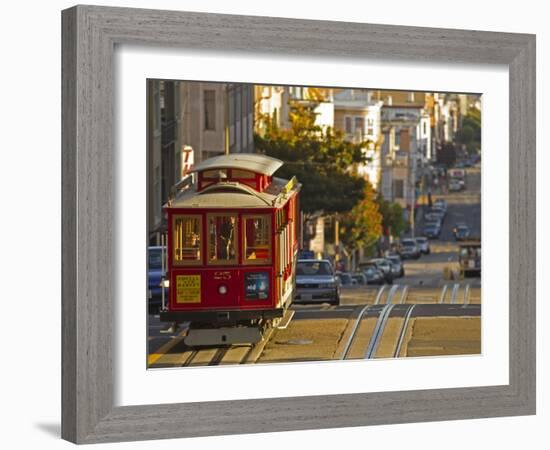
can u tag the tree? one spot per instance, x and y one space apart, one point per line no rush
362 226
319 158
447 154
465 135
393 220
470 133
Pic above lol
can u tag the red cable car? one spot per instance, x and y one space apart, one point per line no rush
232 249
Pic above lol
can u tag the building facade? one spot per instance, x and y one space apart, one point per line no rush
359 118
190 122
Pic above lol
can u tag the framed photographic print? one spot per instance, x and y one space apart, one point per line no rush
257 219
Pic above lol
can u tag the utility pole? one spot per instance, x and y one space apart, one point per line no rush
226 120
336 240
413 194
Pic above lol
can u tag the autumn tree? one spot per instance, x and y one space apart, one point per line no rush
362 226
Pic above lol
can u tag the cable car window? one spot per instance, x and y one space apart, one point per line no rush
187 240
257 239
222 239
218 174
243 174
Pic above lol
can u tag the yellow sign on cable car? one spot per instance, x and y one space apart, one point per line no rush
188 288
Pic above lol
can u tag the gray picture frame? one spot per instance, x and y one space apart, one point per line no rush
90 34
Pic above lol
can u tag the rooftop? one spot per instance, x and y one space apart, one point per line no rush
235 194
253 162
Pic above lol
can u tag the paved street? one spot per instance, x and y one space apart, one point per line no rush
463 207
421 314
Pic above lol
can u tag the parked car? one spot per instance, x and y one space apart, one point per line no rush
435 214
462 232
432 230
316 282
396 260
458 225
374 275
360 279
439 210
441 203
395 269
423 244
409 249
385 267
345 279
455 185
155 276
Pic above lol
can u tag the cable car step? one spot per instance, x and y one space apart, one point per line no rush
222 336
289 314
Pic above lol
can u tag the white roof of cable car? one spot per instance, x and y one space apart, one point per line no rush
254 162
236 195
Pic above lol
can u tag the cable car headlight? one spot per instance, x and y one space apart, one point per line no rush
222 289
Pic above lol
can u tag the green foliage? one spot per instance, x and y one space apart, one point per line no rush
319 158
447 154
465 135
362 226
471 121
393 220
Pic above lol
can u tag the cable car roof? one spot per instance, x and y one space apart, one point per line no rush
237 195
253 162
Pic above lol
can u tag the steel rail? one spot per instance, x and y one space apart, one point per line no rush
247 354
379 294
391 294
378 331
358 321
190 358
443 292
356 327
454 292
219 355
403 331
404 294
467 294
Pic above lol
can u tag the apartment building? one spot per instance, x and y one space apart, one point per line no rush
358 116
273 104
197 120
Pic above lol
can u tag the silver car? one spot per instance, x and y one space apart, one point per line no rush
316 282
423 245
397 265
409 249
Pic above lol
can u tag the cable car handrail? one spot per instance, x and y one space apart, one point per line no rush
234 185
184 183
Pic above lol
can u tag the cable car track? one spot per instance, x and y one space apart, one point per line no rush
383 316
384 307
403 331
454 296
376 336
379 329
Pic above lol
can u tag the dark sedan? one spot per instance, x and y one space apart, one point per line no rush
155 275
462 232
432 230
